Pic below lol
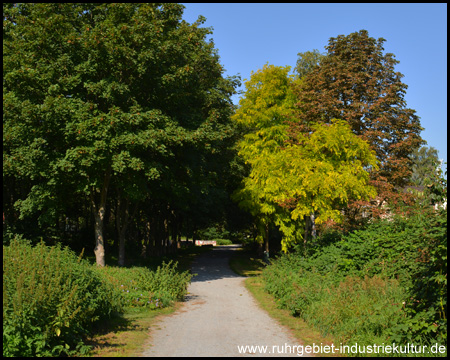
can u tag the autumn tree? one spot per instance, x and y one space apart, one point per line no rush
356 81
106 100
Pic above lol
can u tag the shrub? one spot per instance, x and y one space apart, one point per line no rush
51 297
213 232
223 242
386 283
139 286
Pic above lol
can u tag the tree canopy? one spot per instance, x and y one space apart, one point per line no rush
101 96
357 82
267 100
287 182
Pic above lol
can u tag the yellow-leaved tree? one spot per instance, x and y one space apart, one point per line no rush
267 102
318 175
287 182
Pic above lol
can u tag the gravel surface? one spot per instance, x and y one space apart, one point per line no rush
218 316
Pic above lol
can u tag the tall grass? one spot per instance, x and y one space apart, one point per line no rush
141 287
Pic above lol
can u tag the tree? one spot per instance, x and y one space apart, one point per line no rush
318 175
356 82
425 163
288 182
267 101
307 61
106 95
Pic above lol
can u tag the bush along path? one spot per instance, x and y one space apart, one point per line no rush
55 303
219 317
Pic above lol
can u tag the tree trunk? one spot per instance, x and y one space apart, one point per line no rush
99 216
310 229
307 231
99 240
266 243
121 224
266 239
313 226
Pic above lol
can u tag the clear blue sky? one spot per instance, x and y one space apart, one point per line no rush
249 35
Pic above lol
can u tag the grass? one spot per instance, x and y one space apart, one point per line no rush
246 264
126 336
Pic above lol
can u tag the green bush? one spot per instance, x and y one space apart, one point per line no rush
223 242
139 286
384 284
51 297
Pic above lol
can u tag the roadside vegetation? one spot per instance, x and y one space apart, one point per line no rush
247 263
385 284
53 300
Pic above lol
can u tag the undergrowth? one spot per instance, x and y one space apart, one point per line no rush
141 287
53 299
382 285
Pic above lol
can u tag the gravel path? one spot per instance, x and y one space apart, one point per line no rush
218 316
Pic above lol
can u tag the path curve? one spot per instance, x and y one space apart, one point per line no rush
218 316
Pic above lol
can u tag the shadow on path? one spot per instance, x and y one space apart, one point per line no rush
213 265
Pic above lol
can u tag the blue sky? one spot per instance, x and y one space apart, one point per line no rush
249 35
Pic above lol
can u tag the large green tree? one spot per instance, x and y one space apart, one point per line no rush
107 95
357 82
318 176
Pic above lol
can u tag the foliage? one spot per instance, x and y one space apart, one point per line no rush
307 61
141 287
425 162
386 283
213 232
357 82
267 101
51 298
223 242
98 97
319 175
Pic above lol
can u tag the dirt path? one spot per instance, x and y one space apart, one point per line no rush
218 316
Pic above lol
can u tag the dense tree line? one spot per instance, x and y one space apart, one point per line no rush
115 118
118 123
